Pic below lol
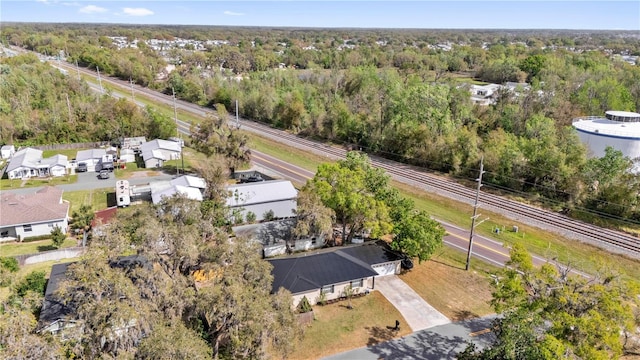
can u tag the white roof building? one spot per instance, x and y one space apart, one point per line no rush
618 129
278 196
191 186
28 162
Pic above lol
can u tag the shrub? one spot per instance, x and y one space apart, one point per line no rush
57 236
304 306
268 215
322 298
9 263
250 217
35 282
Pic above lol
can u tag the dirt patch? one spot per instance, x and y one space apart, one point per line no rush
143 174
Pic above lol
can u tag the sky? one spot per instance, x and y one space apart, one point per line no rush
474 14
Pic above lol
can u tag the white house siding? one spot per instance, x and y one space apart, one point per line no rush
171 155
58 170
39 229
338 291
153 163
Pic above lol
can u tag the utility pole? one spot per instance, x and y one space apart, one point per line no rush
237 118
78 70
475 214
68 106
100 80
133 96
175 117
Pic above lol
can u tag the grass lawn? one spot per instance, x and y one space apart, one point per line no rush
69 153
336 328
444 284
97 198
6 184
15 248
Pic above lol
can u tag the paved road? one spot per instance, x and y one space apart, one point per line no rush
440 342
89 180
417 312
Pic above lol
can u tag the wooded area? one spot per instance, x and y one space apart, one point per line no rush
402 94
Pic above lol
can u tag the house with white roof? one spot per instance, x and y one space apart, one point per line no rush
91 157
6 151
28 162
190 186
31 215
156 152
259 198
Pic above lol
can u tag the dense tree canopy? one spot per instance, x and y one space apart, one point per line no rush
551 313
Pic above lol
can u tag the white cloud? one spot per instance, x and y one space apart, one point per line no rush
137 11
231 13
92 9
71 4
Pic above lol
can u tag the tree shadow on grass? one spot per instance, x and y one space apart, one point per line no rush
464 315
42 248
378 334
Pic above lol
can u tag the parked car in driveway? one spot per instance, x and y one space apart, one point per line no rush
104 174
82 167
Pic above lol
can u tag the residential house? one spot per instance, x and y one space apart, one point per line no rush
127 155
6 151
28 162
277 196
102 219
190 186
133 143
155 152
273 237
484 94
57 315
328 273
92 157
31 215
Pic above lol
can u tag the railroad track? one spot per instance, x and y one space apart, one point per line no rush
610 240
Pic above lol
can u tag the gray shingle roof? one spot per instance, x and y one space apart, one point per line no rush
44 205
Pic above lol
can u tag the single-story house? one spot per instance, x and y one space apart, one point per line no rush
127 155
6 151
155 152
191 186
28 162
273 236
330 272
31 215
55 314
153 159
133 143
91 157
278 196
189 192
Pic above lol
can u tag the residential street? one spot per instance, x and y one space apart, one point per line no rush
89 180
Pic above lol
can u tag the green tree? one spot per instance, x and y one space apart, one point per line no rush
312 217
550 313
349 187
81 219
58 236
35 281
161 126
417 235
8 267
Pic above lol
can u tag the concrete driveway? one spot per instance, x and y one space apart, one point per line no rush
418 314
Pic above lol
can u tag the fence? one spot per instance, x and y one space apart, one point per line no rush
66 253
89 145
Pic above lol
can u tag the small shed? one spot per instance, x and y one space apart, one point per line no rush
7 151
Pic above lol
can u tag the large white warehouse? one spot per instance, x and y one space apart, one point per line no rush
618 129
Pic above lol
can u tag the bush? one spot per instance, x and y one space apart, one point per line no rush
9 263
250 217
304 306
322 298
58 237
35 282
268 215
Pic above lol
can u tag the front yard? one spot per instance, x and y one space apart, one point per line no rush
337 329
